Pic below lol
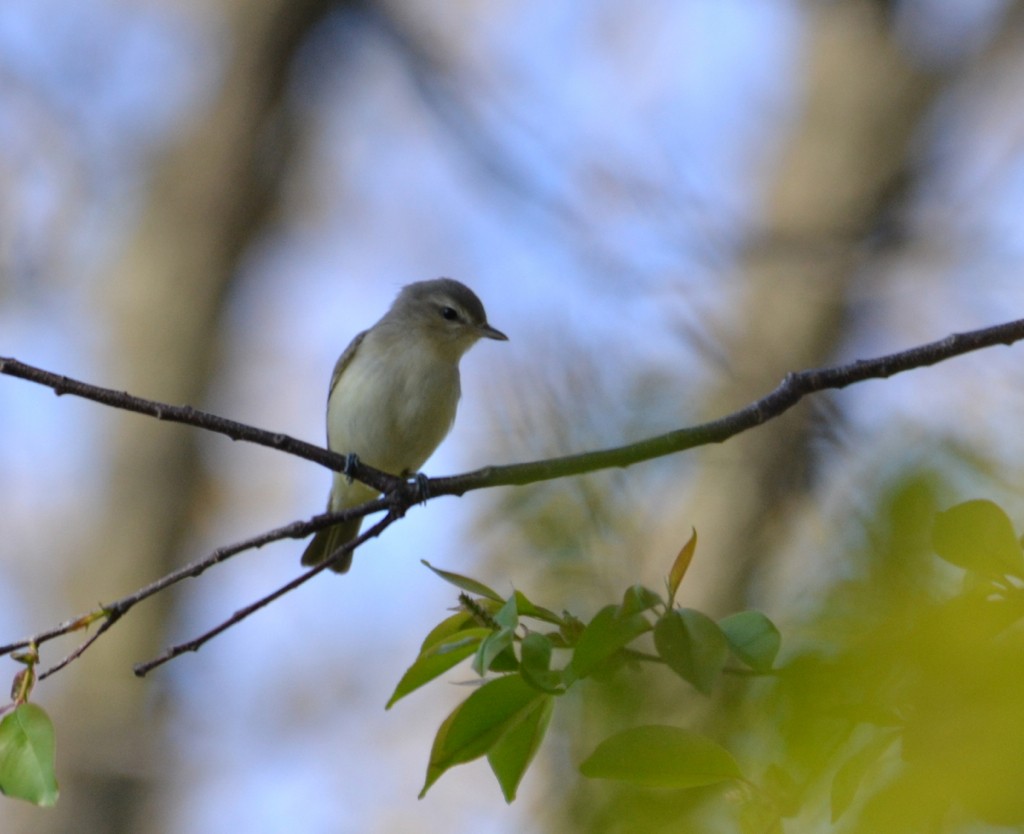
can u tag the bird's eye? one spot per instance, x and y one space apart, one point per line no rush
450 313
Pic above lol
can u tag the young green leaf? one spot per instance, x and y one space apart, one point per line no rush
443 655
753 638
27 748
661 757
514 751
464 582
448 626
605 635
492 646
978 535
571 630
508 615
479 723
692 646
680 565
527 609
498 641
536 664
638 599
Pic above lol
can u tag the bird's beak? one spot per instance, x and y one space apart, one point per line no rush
488 332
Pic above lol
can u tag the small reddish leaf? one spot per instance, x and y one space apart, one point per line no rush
680 566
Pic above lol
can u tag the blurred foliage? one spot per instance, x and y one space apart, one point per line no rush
895 708
901 705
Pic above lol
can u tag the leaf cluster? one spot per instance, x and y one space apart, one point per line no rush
527 656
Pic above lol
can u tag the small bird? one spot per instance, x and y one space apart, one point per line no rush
394 393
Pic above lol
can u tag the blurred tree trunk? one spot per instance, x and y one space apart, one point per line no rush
208 196
845 165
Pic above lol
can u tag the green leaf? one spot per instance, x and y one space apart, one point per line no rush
508 615
638 599
506 661
753 638
527 609
479 723
464 582
495 644
605 635
27 748
572 629
978 536
680 566
514 751
661 757
692 646
536 664
851 773
498 641
450 625
438 659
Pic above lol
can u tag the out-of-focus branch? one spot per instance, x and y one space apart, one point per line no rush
400 494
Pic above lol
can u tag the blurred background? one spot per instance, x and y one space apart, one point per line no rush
665 205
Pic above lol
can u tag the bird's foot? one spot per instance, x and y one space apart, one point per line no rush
422 487
351 462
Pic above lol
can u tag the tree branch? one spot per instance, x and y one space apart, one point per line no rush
190 416
793 388
193 645
400 494
790 391
113 611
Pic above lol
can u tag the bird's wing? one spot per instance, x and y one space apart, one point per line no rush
344 360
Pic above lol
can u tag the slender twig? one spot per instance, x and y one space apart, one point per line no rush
66 627
193 645
113 611
400 494
78 652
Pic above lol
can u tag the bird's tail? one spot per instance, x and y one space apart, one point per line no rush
330 539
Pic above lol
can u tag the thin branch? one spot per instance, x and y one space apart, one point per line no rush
793 388
789 392
113 611
193 645
66 627
190 416
400 494
78 652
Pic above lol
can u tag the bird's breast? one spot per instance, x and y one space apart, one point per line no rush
392 406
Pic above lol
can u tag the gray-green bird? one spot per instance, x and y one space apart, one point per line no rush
394 393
